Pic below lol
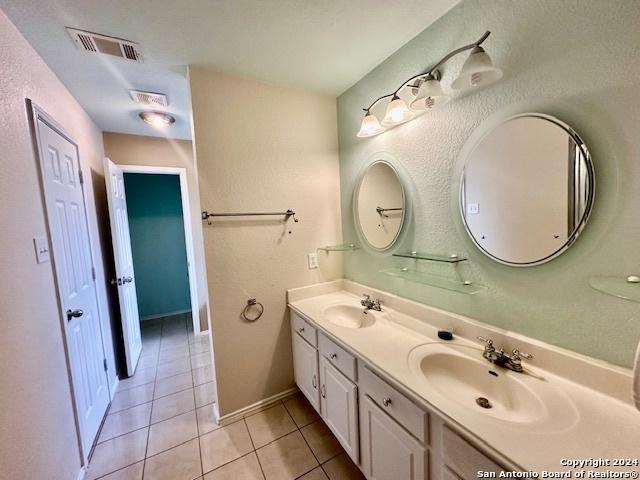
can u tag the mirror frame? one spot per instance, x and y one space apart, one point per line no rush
374 160
588 208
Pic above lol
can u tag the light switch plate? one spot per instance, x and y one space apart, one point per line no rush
42 249
473 208
312 260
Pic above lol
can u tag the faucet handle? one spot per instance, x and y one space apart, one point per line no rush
518 353
366 297
488 341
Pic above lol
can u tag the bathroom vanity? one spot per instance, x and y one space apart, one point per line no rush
405 404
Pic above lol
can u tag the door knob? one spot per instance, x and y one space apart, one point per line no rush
74 314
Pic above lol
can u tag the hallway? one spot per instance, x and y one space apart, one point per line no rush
160 425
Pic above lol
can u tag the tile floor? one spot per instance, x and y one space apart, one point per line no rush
160 425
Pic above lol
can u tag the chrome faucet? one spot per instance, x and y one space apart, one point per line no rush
369 304
498 357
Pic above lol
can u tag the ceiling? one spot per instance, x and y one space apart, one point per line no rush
323 46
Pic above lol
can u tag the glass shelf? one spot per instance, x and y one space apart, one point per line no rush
434 280
617 286
339 248
453 258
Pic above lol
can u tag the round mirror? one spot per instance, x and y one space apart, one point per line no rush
527 189
379 205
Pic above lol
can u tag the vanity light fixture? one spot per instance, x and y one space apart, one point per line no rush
478 71
370 126
397 112
157 119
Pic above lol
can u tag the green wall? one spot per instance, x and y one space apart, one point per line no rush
157 243
576 60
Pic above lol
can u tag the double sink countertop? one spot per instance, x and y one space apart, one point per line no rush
564 405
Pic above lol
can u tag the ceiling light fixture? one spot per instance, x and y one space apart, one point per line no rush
157 119
478 71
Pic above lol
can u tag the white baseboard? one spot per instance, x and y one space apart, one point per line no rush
114 387
256 407
160 315
82 473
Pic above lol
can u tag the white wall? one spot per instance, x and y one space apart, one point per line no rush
262 148
164 152
37 429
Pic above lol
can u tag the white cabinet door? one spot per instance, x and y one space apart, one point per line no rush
388 451
339 407
305 367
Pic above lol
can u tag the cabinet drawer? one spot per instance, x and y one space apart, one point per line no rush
338 356
304 329
403 410
463 458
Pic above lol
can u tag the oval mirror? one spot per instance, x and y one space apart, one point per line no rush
379 205
527 190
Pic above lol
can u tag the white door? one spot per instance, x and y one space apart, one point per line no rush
66 214
305 368
339 407
125 279
388 451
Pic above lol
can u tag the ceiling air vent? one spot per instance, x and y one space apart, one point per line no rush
150 99
96 43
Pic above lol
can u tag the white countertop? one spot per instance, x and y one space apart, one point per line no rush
600 426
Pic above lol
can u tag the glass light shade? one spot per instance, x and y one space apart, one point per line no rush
370 126
397 113
477 71
157 119
430 96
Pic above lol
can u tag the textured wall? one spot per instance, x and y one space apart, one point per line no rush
154 207
262 148
165 152
576 60
37 426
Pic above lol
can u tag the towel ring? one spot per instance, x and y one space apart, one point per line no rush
252 302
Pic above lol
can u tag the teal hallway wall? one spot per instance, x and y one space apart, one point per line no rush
157 243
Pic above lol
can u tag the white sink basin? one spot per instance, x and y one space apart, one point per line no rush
460 374
349 316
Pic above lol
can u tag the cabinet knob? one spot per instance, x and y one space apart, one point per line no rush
386 401
323 392
301 329
333 356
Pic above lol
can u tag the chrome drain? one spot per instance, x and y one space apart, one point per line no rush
484 402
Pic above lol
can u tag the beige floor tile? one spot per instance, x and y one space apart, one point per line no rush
269 425
205 394
199 347
224 445
132 472
117 453
206 419
244 468
172 405
286 458
342 468
148 361
315 474
179 463
172 432
301 410
142 376
201 360
125 421
322 442
174 367
202 375
174 384
132 397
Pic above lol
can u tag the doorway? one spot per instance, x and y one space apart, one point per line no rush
160 245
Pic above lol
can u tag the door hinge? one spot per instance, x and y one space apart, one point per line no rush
104 363
81 176
93 273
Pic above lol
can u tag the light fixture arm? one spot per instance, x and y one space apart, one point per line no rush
433 71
